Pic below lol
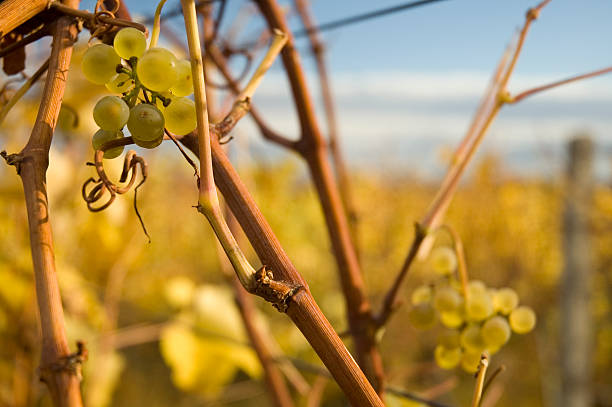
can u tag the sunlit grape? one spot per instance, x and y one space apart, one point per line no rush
446 299
101 137
146 123
456 284
150 144
99 63
449 338
421 294
180 116
522 320
184 82
470 361
452 319
111 113
495 332
505 300
443 260
447 358
422 316
130 42
156 69
478 305
492 350
476 286
120 83
471 338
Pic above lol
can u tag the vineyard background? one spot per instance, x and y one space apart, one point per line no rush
145 310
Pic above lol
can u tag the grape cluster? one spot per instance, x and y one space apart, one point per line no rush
153 85
481 320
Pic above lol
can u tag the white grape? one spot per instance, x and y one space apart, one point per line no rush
130 42
156 69
111 113
180 116
184 82
99 63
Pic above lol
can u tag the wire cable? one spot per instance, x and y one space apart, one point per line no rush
332 25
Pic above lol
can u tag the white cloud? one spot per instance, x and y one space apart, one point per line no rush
438 86
412 113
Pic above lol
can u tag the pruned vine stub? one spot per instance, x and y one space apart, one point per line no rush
277 292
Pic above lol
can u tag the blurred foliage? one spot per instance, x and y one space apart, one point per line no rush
159 320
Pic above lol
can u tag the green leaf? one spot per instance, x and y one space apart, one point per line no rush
206 349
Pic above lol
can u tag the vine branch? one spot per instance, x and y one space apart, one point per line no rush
313 149
492 102
530 92
59 367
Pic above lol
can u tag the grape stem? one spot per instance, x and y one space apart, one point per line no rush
480 378
278 42
460 253
156 24
208 202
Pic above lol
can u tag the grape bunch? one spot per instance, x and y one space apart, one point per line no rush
482 320
152 86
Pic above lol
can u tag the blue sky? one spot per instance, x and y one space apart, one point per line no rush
454 34
470 35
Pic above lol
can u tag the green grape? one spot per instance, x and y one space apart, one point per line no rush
443 260
452 319
184 83
111 113
478 306
448 358
505 300
180 116
99 63
470 361
146 123
476 286
120 83
449 338
101 137
522 320
446 299
471 338
150 144
495 332
130 42
422 316
492 292
421 294
492 350
456 284
157 69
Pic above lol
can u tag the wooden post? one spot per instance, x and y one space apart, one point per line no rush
576 321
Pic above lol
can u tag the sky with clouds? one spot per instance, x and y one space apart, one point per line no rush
407 84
